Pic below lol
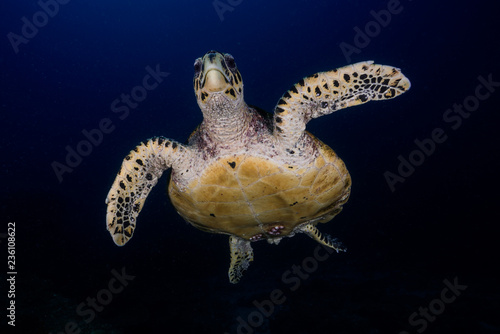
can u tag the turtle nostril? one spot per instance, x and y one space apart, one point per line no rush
211 56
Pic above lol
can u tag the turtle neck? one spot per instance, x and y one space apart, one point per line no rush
224 123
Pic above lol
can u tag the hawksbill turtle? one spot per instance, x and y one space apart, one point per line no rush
247 173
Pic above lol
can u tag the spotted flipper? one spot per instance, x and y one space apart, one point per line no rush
325 239
326 92
139 172
241 255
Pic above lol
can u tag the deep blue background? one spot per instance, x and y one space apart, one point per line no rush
441 223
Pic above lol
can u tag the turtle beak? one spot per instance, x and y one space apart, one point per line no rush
213 79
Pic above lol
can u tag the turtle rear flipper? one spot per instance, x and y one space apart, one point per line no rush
323 239
326 92
241 255
138 174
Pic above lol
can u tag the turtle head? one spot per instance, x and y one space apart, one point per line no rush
217 82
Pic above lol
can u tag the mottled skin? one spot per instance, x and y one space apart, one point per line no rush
244 172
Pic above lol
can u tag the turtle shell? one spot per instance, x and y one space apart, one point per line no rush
254 197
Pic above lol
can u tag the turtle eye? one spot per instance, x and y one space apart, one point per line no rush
230 61
197 67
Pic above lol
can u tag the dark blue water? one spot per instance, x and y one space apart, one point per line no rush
421 237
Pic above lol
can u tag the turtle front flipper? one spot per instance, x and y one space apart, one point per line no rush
326 92
241 255
139 172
